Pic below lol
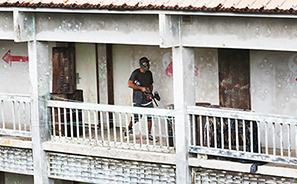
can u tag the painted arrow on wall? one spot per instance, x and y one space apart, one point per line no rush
8 58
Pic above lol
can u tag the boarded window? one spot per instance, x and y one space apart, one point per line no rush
64 70
234 76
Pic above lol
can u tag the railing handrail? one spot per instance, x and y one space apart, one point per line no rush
110 108
12 97
238 114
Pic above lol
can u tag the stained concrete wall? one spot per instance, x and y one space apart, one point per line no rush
274 82
15 76
98 28
240 32
207 76
6 26
86 67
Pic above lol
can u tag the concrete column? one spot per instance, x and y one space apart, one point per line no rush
184 95
39 91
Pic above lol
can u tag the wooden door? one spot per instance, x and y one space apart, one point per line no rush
64 70
234 78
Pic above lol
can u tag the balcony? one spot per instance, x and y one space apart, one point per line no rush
87 141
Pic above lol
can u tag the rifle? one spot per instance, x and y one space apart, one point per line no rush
153 96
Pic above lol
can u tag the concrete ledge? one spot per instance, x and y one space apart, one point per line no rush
267 169
143 156
16 142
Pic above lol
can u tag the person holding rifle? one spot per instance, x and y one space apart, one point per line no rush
141 81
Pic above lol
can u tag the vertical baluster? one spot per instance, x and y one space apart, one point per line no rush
215 131
252 136
244 135
19 114
166 132
295 139
3 118
96 128
77 125
114 128
71 125
54 124
193 130
236 135
108 128
289 140
127 127
266 138
229 133
90 126
30 108
207 131
222 132
259 136
65 123
281 139
146 129
83 126
273 138
59 122
24 116
102 127
13 114
121 128
133 123
201 131
153 131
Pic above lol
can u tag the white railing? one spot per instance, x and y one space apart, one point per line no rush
243 135
104 125
15 112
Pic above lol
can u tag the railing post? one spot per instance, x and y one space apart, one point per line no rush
39 92
184 95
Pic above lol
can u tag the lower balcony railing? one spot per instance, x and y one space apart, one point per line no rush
105 125
243 135
15 115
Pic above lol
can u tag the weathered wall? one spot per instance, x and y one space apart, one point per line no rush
6 26
86 67
207 76
100 28
274 82
14 77
240 32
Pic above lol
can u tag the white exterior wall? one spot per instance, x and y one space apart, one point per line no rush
14 78
207 76
274 82
241 32
86 67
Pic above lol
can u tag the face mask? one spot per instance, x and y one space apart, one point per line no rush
145 66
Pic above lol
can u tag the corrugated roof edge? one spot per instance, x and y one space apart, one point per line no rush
124 7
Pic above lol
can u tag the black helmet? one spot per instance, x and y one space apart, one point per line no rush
144 63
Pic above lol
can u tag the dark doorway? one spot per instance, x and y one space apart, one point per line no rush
234 78
64 89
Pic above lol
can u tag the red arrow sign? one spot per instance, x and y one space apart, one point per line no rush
8 58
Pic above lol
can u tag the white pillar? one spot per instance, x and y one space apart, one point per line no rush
39 92
184 95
